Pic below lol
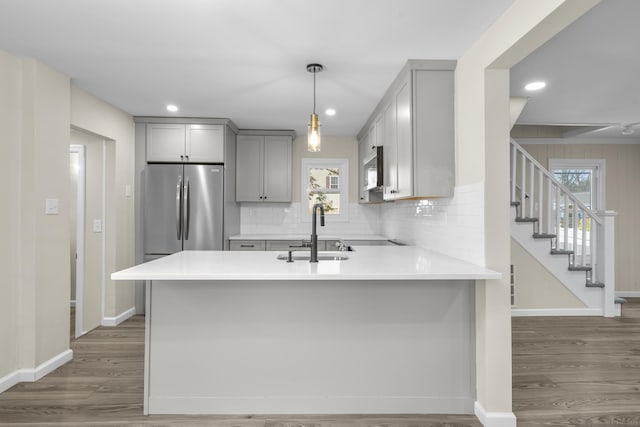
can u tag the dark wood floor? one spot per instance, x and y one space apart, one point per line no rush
566 372
576 371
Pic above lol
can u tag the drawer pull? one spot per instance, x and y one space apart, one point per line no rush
247 246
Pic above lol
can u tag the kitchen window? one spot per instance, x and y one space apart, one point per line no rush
325 181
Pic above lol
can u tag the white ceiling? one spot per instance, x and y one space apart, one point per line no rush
242 59
592 70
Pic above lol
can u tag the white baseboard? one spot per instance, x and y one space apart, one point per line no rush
274 405
628 294
34 374
527 312
115 321
494 419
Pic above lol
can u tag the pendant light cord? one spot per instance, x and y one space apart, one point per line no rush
314 91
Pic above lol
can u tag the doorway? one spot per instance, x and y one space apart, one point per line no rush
76 233
87 245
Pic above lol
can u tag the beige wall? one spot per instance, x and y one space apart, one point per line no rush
333 147
96 116
10 153
34 133
536 287
37 107
622 195
482 156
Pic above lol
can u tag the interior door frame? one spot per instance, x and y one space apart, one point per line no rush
80 228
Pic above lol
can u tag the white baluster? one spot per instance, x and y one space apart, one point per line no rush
532 197
565 221
514 163
574 227
541 228
584 237
523 182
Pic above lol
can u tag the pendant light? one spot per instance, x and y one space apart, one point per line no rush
313 140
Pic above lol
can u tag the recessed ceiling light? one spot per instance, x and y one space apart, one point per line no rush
330 112
535 86
172 108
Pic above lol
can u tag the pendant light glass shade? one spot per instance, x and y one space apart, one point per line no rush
313 137
313 140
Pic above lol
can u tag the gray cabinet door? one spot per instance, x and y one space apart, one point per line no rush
249 168
390 166
404 138
205 144
277 169
165 142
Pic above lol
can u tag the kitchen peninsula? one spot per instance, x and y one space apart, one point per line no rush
388 330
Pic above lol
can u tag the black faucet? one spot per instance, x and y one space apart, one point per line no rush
314 235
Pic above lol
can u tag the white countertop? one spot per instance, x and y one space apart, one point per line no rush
266 236
365 263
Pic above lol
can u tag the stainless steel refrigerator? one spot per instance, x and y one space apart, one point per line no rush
183 208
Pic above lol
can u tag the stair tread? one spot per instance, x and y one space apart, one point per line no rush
579 267
594 284
561 252
526 219
544 236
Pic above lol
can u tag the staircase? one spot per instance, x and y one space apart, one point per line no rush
572 242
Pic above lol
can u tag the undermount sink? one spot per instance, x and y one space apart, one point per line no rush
322 256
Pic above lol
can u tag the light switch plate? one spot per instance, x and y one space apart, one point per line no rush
51 206
127 190
97 226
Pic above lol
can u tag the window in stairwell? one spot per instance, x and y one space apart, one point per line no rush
585 179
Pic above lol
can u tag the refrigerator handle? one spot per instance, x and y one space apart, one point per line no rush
187 208
179 206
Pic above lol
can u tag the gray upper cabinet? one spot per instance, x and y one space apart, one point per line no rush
264 168
205 143
414 122
187 143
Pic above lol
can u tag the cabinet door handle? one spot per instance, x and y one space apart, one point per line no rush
181 157
393 191
265 197
186 157
373 147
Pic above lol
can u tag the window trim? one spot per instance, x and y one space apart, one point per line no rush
598 166
340 163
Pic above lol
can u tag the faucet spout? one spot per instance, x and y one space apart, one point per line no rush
314 235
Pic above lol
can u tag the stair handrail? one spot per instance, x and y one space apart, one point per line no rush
560 186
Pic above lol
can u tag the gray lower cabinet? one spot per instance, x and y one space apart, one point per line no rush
264 168
279 245
247 245
289 245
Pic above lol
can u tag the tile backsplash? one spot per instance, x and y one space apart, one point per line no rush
452 226
278 218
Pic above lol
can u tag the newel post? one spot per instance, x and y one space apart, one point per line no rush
609 257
